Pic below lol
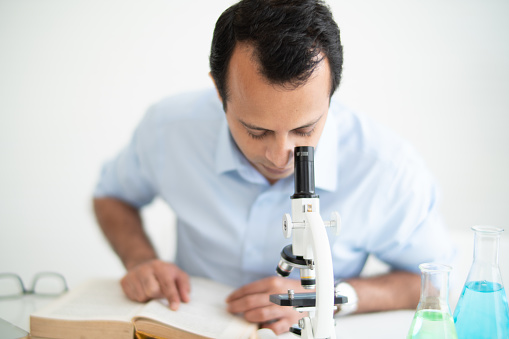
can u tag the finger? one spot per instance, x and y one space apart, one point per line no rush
151 287
258 286
267 314
171 294
132 288
278 327
127 288
249 302
184 287
167 278
146 283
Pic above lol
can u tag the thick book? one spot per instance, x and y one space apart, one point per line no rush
99 309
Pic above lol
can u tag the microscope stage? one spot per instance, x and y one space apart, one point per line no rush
302 299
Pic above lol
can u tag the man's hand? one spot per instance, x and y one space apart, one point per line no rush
157 279
147 277
252 300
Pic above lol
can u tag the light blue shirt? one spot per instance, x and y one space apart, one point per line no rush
229 216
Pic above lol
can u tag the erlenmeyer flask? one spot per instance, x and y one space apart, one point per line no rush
433 319
482 310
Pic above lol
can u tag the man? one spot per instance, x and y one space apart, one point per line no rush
224 163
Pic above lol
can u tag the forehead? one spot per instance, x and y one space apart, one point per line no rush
256 101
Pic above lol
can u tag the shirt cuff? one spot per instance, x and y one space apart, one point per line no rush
345 289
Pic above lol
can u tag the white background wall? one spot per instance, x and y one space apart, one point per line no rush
77 76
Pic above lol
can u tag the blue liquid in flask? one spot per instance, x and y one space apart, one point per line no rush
482 311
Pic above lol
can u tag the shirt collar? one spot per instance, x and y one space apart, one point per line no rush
229 157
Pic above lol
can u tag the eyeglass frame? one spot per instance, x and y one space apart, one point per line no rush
35 279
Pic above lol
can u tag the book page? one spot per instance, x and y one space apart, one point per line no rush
95 300
205 314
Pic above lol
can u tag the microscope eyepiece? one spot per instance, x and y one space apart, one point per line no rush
304 172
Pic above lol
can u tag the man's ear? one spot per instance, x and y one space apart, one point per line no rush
215 86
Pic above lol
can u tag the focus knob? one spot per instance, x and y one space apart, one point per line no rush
287 225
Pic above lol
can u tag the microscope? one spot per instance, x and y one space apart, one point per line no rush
310 252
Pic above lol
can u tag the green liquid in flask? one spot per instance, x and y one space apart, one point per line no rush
432 324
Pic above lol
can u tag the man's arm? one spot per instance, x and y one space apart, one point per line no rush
147 277
391 291
122 226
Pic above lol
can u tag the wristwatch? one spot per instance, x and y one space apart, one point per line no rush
344 288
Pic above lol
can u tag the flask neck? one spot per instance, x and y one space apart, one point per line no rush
434 287
486 248
485 264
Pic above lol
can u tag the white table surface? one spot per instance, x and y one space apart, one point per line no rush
390 325
380 325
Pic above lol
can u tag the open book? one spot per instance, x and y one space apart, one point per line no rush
99 309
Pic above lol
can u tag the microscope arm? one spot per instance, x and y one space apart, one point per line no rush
323 322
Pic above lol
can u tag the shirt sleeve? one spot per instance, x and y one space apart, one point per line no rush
128 176
411 229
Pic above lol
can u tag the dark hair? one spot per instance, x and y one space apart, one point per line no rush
287 35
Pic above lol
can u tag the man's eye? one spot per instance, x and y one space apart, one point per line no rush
257 136
305 133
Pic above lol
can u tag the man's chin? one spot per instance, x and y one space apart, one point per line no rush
274 175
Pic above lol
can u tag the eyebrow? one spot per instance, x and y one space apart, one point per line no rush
257 128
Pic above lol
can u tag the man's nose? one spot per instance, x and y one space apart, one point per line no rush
280 152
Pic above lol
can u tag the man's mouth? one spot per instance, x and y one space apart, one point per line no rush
278 171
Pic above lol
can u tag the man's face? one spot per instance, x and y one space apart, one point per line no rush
267 121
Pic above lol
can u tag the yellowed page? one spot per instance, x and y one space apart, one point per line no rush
97 299
205 315
91 310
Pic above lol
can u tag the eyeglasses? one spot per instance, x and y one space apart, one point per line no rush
43 283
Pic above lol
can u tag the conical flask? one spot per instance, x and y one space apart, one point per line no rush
433 319
482 310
